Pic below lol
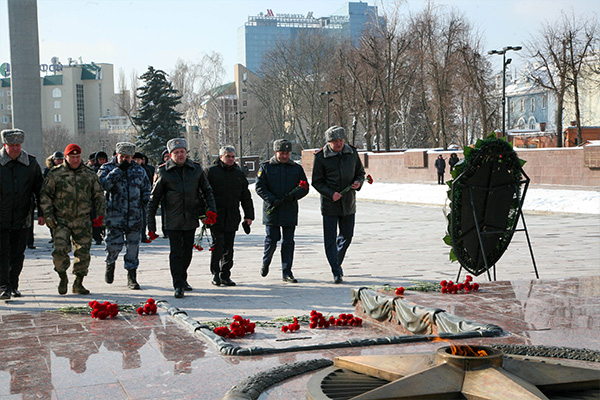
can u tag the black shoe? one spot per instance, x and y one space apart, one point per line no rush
132 279
51 241
264 271
32 247
216 280
227 282
178 293
16 293
290 279
5 295
337 279
187 287
109 274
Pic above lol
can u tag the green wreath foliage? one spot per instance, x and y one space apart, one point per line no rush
484 151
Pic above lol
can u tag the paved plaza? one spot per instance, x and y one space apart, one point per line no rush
64 355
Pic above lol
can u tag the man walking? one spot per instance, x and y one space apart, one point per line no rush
278 185
127 193
337 174
187 195
230 188
69 194
20 182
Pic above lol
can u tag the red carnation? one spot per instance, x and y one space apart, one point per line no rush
475 286
399 291
284 328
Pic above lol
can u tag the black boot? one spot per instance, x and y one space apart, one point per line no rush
64 281
131 279
109 275
78 286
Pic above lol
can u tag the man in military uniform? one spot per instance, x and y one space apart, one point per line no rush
68 195
278 185
127 193
187 195
337 167
20 181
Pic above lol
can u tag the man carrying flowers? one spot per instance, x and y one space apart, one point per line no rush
281 183
337 174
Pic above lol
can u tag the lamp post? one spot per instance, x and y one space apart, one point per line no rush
505 62
241 114
328 93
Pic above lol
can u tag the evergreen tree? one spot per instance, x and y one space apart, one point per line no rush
157 118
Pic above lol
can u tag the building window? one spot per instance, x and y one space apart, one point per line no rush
57 118
532 123
521 123
80 110
512 106
56 93
244 103
544 100
8 93
9 106
57 104
1 93
522 105
1 106
532 105
5 120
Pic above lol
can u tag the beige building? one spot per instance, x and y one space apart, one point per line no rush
74 98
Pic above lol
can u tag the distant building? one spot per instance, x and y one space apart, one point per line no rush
263 31
74 97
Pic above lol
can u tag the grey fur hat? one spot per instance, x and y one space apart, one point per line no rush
334 133
282 145
125 148
13 136
177 143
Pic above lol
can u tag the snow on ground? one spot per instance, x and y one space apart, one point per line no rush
536 199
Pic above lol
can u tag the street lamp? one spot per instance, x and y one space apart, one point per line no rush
241 114
328 93
505 62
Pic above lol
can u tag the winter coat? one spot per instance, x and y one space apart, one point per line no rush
440 165
230 188
20 181
68 196
127 194
186 196
453 161
333 172
276 180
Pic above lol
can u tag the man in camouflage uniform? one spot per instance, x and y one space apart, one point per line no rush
127 193
20 181
68 194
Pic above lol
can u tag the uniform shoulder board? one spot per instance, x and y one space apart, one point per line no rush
318 151
196 162
161 165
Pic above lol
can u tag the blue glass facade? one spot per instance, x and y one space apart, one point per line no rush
261 32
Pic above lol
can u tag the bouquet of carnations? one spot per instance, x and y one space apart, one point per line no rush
208 219
301 185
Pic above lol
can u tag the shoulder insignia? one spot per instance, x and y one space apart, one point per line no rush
259 173
318 151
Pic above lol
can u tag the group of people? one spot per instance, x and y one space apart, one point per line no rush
73 198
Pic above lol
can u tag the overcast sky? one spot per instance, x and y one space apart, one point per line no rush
133 34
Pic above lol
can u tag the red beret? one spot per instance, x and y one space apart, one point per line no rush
72 149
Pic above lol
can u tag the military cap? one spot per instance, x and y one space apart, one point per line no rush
126 148
13 136
72 149
138 155
177 143
282 145
334 133
101 154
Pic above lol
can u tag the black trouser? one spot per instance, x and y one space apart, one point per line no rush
221 258
12 254
180 257
440 178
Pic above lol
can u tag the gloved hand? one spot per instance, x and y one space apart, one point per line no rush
289 198
124 165
277 203
51 222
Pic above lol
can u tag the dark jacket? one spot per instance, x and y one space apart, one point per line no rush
230 188
186 194
453 161
276 180
440 165
333 172
127 194
20 181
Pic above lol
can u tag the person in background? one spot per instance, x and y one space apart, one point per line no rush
230 188
440 166
337 167
183 186
55 159
69 193
453 161
166 156
142 160
20 184
91 161
278 180
127 193
101 158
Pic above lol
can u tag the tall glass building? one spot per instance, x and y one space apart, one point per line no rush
261 32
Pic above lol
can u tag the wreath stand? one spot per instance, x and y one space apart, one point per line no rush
481 233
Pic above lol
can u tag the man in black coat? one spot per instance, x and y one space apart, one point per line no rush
230 188
278 185
20 183
440 166
337 174
183 186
